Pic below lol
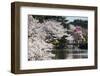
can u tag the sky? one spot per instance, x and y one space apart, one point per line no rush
72 18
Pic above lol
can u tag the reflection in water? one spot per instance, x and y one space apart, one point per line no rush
70 53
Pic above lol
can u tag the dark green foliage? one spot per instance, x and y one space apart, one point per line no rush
83 46
41 18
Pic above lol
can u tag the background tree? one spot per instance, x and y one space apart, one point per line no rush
79 22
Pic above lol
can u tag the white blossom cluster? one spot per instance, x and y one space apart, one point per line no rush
39 34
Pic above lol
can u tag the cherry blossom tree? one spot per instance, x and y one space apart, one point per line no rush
39 37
